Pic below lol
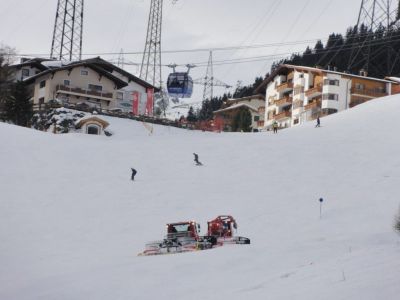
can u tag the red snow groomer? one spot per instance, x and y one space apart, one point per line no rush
222 229
185 237
181 237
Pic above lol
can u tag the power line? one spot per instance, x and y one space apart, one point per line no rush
381 41
176 51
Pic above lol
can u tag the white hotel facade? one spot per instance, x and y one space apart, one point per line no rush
296 94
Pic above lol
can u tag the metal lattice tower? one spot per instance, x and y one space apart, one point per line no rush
208 91
377 15
68 28
209 81
151 63
121 59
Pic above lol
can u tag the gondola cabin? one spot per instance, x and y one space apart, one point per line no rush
180 85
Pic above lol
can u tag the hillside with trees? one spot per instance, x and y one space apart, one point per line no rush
347 53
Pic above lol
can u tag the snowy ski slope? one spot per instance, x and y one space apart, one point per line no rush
72 223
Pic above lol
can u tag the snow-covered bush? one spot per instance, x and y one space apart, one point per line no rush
60 120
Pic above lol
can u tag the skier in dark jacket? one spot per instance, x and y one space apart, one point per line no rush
134 172
196 159
318 123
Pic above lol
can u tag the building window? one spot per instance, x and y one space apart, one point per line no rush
329 111
331 82
256 118
25 72
301 75
94 87
359 86
41 100
42 84
298 90
330 97
380 90
296 121
120 96
67 82
84 72
93 129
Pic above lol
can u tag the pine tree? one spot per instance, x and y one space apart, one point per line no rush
18 107
242 121
191 117
5 82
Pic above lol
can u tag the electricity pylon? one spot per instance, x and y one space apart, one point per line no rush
151 63
68 29
209 81
377 16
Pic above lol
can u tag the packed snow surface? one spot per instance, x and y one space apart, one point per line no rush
72 222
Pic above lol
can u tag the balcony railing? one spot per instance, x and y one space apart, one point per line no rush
314 90
369 92
310 106
283 115
84 92
285 86
284 101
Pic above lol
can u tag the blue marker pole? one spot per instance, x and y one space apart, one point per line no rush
320 207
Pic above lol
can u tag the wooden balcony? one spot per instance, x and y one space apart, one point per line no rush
314 91
285 87
297 104
368 92
271 100
284 101
283 115
77 91
315 104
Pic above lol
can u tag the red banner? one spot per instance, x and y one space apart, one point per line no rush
150 102
218 124
135 103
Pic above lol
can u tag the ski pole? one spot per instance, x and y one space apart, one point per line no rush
320 207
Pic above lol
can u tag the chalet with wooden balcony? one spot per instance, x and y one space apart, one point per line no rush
94 82
254 104
297 94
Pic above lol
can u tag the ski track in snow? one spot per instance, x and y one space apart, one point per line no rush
72 222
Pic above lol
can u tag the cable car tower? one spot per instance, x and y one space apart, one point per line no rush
68 28
377 15
151 63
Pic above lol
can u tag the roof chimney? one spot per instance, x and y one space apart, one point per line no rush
363 73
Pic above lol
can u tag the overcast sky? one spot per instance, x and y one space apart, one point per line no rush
110 26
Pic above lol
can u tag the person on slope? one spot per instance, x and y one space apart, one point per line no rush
275 126
134 172
196 160
318 122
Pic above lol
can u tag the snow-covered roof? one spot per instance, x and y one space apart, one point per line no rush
253 97
236 106
88 119
395 79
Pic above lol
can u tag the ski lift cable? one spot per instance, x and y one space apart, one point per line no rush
177 51
267 17
281 55
297 19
